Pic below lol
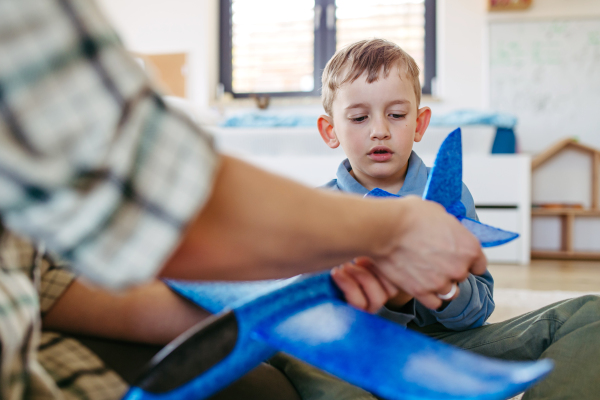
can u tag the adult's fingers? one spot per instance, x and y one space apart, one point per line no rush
433 302
451 288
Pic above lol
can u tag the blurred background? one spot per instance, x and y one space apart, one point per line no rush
521 77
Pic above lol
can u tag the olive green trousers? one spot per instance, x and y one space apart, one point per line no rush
567 332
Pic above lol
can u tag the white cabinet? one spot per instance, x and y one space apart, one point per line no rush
507 219
501 187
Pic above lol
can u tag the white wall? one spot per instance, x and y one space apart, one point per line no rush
460 54
545 9
158 26
171 26
463 51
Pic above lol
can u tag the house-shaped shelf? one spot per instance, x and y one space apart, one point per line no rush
569 202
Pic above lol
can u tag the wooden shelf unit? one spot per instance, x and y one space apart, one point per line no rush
568 215
580 212
565 255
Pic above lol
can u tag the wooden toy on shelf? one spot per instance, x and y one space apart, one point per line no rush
568 212
508 5
168 71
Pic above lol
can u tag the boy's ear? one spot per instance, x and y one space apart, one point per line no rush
325 124
423 117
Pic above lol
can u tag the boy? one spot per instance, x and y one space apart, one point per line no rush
371 94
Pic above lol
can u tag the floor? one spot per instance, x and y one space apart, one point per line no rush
549 275
519 289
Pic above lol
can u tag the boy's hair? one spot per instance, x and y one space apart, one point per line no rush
349 63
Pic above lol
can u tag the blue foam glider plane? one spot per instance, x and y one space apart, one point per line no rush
306 317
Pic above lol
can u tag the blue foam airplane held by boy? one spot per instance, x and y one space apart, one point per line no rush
307 318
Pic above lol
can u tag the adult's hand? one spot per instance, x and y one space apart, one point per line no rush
429 252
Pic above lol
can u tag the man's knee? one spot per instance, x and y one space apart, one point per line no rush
590 298
587 304
577 313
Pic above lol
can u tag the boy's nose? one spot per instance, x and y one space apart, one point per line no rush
380 132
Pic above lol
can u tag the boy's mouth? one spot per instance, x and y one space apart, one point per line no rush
380 154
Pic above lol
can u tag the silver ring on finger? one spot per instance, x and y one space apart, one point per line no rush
450 294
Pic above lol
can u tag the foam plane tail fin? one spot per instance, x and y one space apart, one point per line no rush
444 184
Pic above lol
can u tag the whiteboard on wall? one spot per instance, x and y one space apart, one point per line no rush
547 73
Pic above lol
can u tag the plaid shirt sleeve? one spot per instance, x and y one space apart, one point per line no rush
55 278
92 161
50 365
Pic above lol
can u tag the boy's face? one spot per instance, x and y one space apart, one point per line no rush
376 124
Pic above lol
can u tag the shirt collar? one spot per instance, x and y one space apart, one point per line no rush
414 183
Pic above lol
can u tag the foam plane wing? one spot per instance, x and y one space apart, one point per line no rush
307 318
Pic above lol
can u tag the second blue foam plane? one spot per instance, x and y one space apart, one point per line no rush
307 318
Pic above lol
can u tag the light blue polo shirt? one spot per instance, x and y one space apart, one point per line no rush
414 183
475 302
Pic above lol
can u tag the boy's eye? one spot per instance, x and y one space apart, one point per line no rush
359 119
397 116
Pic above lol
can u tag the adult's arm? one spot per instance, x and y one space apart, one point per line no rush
257 225
150 313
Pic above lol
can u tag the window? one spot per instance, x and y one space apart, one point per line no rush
280 47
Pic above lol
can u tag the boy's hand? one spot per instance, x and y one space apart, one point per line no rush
397 302
363 286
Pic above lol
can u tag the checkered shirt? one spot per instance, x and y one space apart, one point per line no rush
43 365
92 163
